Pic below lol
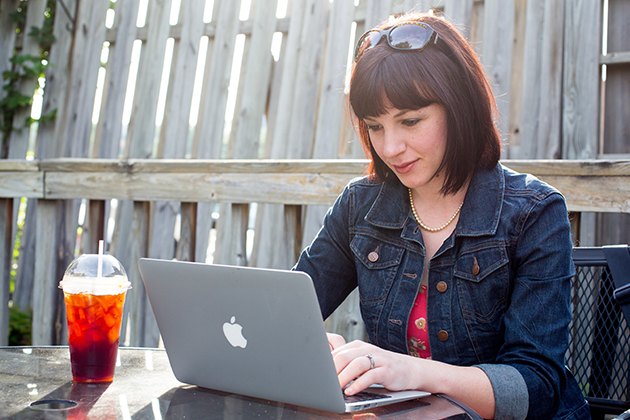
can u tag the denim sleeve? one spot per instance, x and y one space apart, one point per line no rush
537 319
510 391
328 259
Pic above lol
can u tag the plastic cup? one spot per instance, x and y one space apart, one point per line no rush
94 288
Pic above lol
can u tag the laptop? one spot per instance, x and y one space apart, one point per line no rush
250 331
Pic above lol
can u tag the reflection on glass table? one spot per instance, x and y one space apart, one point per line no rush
36 383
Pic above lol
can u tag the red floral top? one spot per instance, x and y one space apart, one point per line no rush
417 333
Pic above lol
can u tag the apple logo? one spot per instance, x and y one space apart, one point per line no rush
233 333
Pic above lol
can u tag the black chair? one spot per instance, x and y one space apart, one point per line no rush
599 346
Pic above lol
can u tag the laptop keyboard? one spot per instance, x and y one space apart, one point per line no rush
364 396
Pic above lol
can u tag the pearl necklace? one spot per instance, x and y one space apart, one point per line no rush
425 227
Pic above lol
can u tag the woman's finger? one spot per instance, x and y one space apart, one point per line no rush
335 340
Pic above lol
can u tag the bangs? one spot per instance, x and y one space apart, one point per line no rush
390 80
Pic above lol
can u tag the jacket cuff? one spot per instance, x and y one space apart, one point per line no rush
510 391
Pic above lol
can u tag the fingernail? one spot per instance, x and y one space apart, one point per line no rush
349 391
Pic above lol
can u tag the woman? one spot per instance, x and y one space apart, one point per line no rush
463 266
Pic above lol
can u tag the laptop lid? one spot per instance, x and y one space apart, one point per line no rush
251 331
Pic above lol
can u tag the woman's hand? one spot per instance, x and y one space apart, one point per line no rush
397 372
392 370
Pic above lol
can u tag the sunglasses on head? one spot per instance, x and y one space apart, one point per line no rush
403 36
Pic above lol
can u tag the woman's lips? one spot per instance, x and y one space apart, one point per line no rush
404 167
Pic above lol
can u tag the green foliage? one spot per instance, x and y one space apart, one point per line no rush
19 327
25 68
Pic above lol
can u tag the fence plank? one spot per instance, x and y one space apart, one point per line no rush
110 122
144 331
45 291
580 115
250 107
7 47
141 130
86 61
498 36
460 13
617 86
21 184
145 100
18 140
187 241
6 257
300 121
516 86
542 80
175 125
208 137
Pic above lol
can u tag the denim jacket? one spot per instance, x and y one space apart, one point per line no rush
498 287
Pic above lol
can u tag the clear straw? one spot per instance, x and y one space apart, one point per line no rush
99 270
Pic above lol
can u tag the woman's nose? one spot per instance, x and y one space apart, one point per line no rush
393 144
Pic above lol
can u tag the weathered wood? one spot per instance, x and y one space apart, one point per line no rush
234 223
498 35
7 47
616 122
315 182
110 122
24 276
615 58
6 257
513 145
175 126
580 111
21 184
346 320
459 12
597 194
617 86
45 293
145 100
542 80
18 140
87 46
144 331
188 230
211 187
134 166
93 229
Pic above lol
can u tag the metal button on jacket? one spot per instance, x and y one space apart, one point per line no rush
373 256
475 268
442 286
442 335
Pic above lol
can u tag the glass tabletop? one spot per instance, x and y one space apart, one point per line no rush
36 383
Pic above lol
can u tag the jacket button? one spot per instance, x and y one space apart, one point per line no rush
373 256
475 267
442 286
443 335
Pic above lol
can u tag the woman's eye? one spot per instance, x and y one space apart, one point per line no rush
374 127
411 122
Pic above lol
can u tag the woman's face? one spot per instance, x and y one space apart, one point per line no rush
411 143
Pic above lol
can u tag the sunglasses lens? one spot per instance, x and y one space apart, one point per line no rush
367 41
409 37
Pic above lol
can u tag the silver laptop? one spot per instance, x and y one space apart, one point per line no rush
250 331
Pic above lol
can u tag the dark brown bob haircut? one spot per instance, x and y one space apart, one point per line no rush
410 80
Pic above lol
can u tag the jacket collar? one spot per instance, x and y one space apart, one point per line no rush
479 215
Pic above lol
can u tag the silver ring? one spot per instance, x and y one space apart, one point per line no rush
372 364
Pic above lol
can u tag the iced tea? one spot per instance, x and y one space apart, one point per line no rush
93 333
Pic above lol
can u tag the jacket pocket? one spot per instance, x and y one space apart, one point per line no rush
377 263
483 280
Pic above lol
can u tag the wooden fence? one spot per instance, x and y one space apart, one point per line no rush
589 186
224 80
